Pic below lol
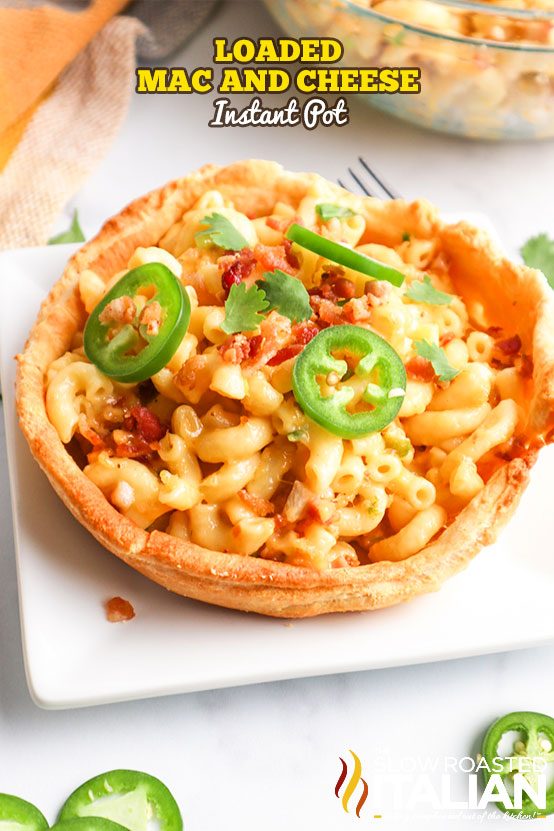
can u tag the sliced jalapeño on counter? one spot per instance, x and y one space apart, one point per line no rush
531 755
127 797
88 824
350 381
138 325
19 815
343 255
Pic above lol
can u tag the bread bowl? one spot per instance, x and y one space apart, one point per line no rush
311 559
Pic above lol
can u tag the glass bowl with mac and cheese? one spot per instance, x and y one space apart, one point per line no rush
487 67
265 392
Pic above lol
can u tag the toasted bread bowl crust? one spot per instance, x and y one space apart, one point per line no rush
522 302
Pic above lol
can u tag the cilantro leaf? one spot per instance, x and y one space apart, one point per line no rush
437 356
73 234
328 210
406 237
219 231
538 252
242 309
423 291
286 294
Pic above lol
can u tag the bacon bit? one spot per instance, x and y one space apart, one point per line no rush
145 423
377 291
239 269
275 332
261 507
420 369
494 331
327 312
270 257
278 223
239 348
510 346
304 332
195 373
235 349
92 436
120 310
256 343
118 610
447 338
151 317
344 288
292 259
285 354
134 447
357 310
524 365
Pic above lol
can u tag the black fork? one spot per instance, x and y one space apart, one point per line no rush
369 182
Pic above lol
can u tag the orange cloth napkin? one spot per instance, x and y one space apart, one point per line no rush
65 84
36 44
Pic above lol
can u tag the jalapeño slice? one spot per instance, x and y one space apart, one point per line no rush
117 338
343 255
530 755
19 815
321 385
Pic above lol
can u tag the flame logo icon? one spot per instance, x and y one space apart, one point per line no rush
352 784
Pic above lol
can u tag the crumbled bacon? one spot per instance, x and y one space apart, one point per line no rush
132 446
494 331
144 423
377 291
277 223
344 288
118 610
260 506
447 338
275 332
151 317
356 310
239 268
304 332
292 259
119 310
327 312
524 365
420 369
285 354
239 348
509 346
270 257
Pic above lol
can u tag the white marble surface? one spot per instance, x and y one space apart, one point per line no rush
267 756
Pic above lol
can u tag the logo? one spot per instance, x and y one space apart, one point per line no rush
448 786
353 782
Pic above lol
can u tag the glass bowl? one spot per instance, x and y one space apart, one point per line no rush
487 67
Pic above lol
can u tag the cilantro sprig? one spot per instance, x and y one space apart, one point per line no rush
443 369
328 210
243 309
286 294
423 291
538 252
73 234
221 232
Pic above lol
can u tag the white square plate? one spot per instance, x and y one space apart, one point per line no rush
75 658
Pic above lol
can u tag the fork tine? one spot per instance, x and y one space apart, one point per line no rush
388 190
341 184
359 182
